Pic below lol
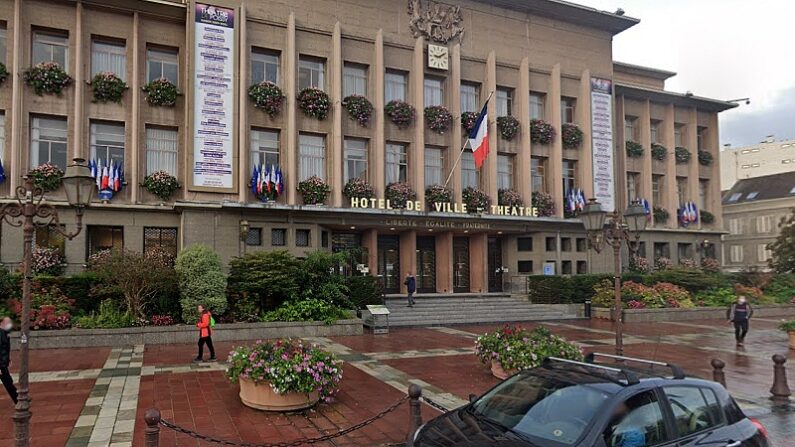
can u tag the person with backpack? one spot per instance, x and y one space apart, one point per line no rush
206 324
411 287
739 313
5 357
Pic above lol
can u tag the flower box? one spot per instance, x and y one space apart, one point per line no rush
468 121
541 132
47 78
262 397
438 119
359 108
508 127
314 103
267 97
401 113
634 149
161 93
572 136
682 155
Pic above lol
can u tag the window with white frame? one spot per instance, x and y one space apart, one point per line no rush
657 189
504 102
355 159
109 56
655 131
679 138
633 186
162 63
264 66
395 86
311 156
311 73
469 98
763 253
470 177
397 165
107 143
681 190
3 43
161 149
434 166
537 106
630 128
354 80
703 191
504 171
48 141
735 226
763 224
264 147
700 137
569 175
49 46
433 91
538 169
736 253
567 110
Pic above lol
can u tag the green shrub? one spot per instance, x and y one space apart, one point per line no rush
693 280
262 281
307 310
319 278
201 281
364 290
717 297
110 316
781 288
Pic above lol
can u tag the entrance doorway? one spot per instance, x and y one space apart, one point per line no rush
389 262
495 262
426 264
460 264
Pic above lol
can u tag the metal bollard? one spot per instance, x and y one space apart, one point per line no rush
780 390
415 412
152 432
717 371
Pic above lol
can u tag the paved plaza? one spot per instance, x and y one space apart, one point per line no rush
97 397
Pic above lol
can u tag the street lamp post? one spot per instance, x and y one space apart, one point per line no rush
79 187
615 231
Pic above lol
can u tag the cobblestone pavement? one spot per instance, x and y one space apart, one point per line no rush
97 397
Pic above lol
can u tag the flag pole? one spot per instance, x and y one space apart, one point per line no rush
463 148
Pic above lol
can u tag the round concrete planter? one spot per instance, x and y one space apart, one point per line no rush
262 397
791 339
498 372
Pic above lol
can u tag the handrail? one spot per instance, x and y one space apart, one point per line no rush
631 378
677 371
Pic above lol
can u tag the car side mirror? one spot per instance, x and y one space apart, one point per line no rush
473 397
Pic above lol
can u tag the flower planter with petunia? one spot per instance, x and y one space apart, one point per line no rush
47 78
161 184
509 197
47 177
468 121
357 188
634 149
106 86
401 113
544 203
704 158
541 132
314 103
682 155
661 215
398 194
508 127
658 151
707 217
475 199
571 135
438 119
267 97
437 194
314 191
161 93
359 109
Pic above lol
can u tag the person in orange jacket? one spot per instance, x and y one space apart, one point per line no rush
205 334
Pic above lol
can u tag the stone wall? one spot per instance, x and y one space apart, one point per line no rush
696 313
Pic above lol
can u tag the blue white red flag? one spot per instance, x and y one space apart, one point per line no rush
479 137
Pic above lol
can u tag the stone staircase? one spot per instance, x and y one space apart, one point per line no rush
439 310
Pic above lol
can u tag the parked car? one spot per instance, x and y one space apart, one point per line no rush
566 403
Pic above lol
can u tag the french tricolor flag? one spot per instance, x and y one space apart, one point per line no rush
479 137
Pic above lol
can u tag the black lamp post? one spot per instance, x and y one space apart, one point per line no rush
79 187
615 231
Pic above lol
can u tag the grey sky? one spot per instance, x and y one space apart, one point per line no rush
723 49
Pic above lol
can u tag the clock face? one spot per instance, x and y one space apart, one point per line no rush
438 57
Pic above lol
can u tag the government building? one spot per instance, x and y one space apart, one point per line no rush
601 129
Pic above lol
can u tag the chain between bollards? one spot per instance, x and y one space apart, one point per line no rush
780 390
717 371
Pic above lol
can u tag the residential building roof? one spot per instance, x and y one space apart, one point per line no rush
776 186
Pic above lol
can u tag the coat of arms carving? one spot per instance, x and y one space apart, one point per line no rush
434 21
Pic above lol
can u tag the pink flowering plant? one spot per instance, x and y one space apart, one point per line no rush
358 188
106 86
287 366
633 148
438 119
398 194
689 263
572 136
639 264
544 202
359 108
267 97
161 92
509 197
161 184
475 199
710 265
517 348
47 177
468 121
508 127
663 263
438 194
401 113
47 261
658 151
314 190
47 78
682 155
541 132
314 103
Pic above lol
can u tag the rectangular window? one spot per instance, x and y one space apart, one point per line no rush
395 86
164 239
302 238
736 253
525 267
433 89
700 138
735 226
524 244
582 267
254 237
504 171
537 106
324 239
681 189
565 244
643 419
582 244
109 56
569 175
567 110
684 251
264 147
504 102
655 129
551 244
49 237
538 173
470 176
355 159
657 190
679 138
161 150
630 128
311 73
311 156
354 80
642 249
264 66
662 250
633 186
161 63
48 141
469 98
565 267
3 43
107 143
101 237
51 47
434 166
703 190
763 224
763 254
397 163
689 404
278 237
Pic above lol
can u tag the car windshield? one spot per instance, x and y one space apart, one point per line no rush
544 410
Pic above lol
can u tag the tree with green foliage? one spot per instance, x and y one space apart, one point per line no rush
201 281
320 277
783 248
262 281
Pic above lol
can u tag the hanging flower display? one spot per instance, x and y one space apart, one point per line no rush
704 158
3 73
707 217
438 194
47 177
468 121
400 112
161 184
359 189
544 203
359 108
107 87
475 199
658 151
267 182
314 102
541 132
47 77
509 197
571 135
661 215
314 190
508 127
634 149
682 155
438 119
161 92
267 97
398 194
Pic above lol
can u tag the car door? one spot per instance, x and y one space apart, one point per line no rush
698 418
638 421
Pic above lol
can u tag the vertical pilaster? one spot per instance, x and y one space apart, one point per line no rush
671 201
478 263
370 242
16 99
713 194
620 181
291 145
524 181
444 262
490 183
416 151
645 141
377 146
456 132
408 255
135 97
242 108
692 165
556 152
584 121
77 119
336 175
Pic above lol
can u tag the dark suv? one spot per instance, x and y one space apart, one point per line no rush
565 403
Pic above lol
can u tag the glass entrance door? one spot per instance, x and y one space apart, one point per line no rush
426 264
389 262
495 262
460 264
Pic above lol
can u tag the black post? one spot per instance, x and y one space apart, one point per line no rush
780 390
717 371
415 413
152 432
588 308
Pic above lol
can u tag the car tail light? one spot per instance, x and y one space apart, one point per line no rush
759 426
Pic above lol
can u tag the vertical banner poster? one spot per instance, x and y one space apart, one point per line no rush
602 138
213 97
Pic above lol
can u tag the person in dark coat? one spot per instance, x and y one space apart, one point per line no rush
411 287
5 357
739 313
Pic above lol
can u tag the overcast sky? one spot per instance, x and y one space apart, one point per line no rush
723 49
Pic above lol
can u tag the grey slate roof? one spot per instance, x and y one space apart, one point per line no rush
776 186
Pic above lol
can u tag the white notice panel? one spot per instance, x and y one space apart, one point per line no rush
213 97
602 137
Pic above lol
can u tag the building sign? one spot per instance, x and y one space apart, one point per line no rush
602 137
213 97
455 208
435 224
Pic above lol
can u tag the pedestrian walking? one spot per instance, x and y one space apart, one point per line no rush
739 313
5 357
205 325
411 287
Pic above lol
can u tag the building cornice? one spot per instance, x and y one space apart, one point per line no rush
678 99
569 12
